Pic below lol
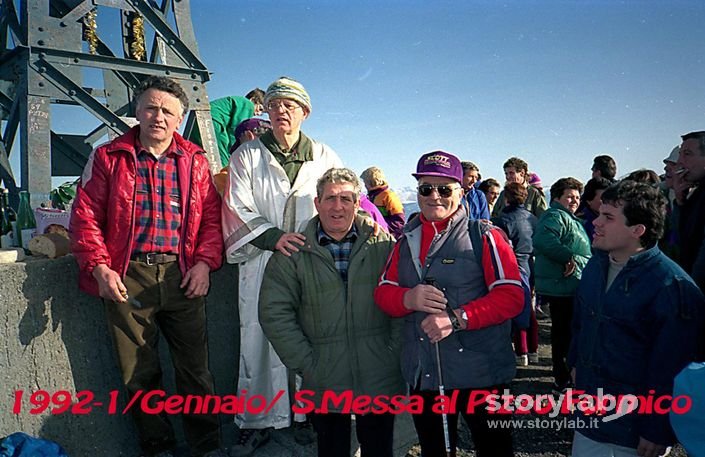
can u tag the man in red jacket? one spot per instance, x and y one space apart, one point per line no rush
145 230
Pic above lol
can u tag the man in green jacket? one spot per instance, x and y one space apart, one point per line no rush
316 308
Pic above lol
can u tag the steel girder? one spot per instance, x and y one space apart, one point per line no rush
43 63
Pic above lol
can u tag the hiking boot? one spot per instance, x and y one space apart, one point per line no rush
303 433
249 440
522 360
533 358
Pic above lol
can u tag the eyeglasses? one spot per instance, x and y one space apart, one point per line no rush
444 190
288 106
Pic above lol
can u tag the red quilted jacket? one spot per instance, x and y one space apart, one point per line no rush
103 215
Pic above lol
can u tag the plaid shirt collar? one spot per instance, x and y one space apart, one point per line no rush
324 239
171 150
339 250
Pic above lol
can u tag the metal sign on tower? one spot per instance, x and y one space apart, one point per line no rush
47 47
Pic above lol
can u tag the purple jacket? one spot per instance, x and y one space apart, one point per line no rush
367 206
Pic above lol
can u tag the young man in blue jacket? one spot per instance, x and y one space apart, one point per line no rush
475 198
636 324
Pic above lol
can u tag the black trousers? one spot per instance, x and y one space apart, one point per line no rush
375 432
561 320
489 442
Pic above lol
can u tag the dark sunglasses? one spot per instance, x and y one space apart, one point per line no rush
444 190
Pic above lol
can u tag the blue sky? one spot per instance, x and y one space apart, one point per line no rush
553 82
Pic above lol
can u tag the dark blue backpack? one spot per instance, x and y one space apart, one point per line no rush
22 445
688 426
477 229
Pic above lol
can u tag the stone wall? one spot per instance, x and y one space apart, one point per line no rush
54 338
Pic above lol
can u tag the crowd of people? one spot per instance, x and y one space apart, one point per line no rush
341 291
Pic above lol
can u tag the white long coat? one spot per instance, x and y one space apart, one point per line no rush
260 197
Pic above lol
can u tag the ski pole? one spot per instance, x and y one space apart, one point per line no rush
441 389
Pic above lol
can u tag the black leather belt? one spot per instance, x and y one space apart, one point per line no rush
154 258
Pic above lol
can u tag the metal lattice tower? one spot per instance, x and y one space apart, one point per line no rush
43 53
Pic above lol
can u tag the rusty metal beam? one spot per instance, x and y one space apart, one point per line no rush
45 64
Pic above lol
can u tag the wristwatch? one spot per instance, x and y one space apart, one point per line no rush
454 321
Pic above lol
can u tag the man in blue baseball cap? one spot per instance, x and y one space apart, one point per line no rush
457 286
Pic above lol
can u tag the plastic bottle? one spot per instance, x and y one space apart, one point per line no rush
26 224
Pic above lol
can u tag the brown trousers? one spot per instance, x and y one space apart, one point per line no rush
157 303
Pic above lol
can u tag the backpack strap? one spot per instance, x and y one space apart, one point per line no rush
477 229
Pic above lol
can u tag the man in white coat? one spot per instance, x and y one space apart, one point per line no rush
269 199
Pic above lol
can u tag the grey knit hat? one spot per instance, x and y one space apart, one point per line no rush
288 88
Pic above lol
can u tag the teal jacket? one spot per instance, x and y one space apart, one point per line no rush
227 113
559 237
335 337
